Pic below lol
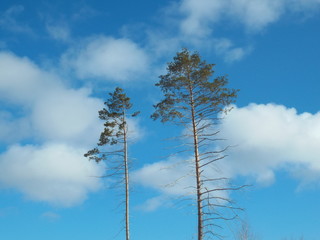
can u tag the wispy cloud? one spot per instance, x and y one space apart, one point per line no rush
8 211
225 48
59 32
51 216
9 20
197 23
175 179
200 16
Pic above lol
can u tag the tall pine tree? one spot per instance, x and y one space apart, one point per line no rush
194 100
113 143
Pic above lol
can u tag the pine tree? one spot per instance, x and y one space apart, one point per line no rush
194 101
115 134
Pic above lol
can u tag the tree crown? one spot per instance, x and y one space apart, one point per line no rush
188 84
114 115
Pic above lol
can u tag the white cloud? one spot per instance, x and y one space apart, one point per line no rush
135 130
59 32
174 179
39 107
65 123
225 48
196 23
9 126
154 203
256 15
266 139
52 111
193 23
171 178
199 16
53 173
108 58
272 137
22 81
67 116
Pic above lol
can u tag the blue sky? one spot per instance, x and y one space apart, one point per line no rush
58 61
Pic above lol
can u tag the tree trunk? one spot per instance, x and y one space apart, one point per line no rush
197 168
126 169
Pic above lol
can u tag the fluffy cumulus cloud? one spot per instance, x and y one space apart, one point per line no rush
265 139
9 125
26 85
54 173
51 110
38 106
68 116
272 137
107 58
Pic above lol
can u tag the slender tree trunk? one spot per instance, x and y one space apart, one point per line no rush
197 168
126 170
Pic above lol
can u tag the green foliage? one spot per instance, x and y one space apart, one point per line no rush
115 132
195 100
187 84
114 116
